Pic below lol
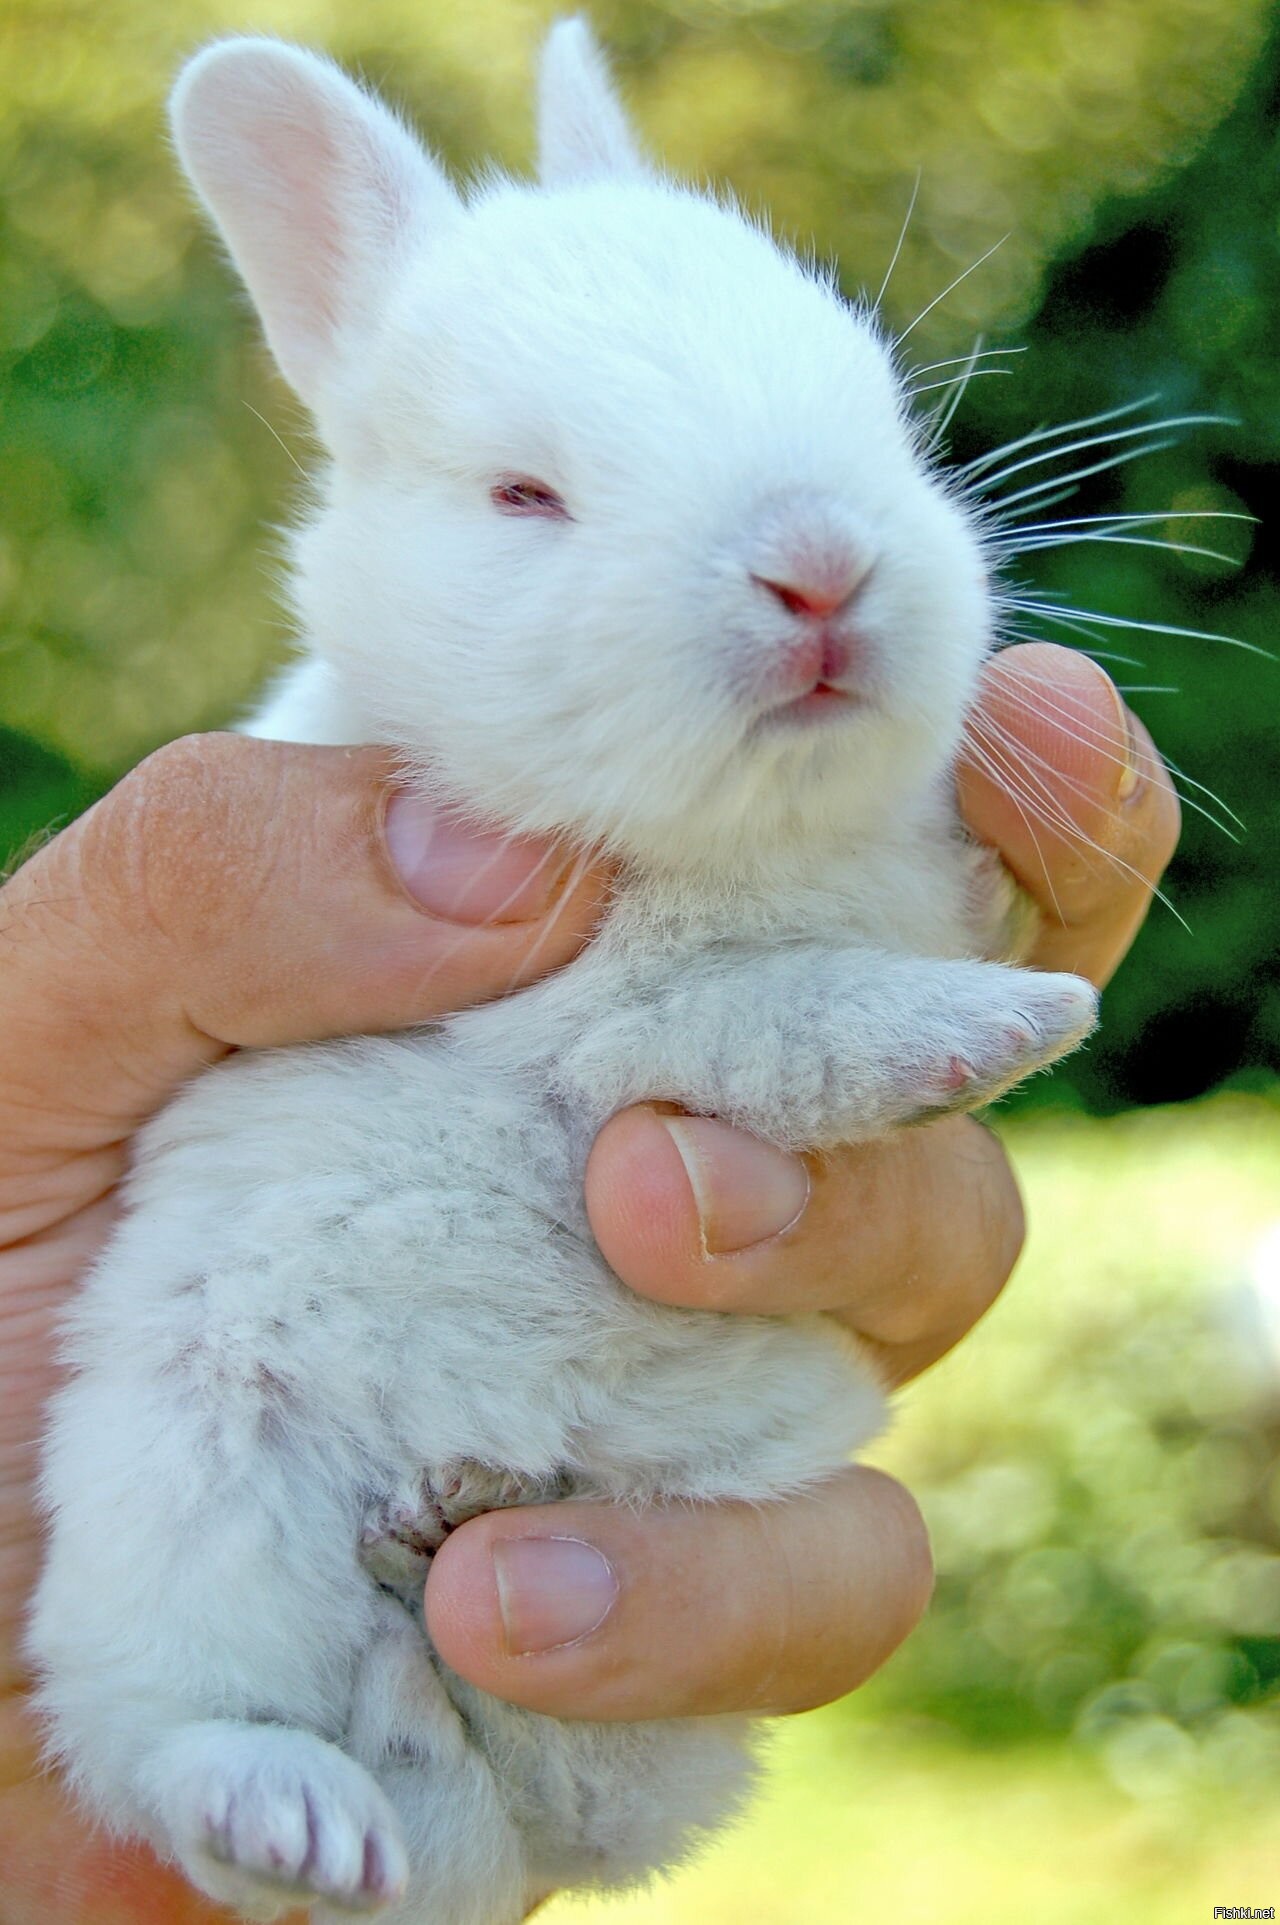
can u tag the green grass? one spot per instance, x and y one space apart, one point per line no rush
891 1827
1086 1729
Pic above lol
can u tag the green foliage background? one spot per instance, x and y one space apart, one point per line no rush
1099 1465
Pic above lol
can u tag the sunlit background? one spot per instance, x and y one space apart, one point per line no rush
1087 1728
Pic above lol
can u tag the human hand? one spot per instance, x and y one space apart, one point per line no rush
240 893
907 1240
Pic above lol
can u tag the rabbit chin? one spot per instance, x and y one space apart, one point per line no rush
598 720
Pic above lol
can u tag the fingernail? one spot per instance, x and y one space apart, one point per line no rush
746 1191
552 1591
467 875
1126 748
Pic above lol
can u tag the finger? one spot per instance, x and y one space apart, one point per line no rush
910 1238
233 892
586 1611
1066 783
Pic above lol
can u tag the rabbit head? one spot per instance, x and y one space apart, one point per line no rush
625 529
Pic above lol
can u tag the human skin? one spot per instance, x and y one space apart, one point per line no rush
236 893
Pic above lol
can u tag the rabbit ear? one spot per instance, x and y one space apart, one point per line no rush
317 189
582 130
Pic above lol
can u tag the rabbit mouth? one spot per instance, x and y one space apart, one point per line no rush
817 672
821 706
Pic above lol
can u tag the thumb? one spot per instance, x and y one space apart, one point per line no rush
231 893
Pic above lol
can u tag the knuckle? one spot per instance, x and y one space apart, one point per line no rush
190 755
174 843
186 784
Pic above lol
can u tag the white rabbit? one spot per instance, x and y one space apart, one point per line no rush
625 534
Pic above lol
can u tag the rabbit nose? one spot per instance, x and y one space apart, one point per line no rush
816 596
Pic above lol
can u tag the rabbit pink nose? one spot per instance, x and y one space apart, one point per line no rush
816 597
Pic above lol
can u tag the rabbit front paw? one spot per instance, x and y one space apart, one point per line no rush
989 1038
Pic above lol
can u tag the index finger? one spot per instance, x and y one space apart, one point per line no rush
1063 780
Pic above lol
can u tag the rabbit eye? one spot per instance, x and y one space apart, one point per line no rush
521 495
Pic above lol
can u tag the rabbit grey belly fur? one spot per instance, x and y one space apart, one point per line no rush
277 1341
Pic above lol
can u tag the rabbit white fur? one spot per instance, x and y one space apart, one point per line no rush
354 1296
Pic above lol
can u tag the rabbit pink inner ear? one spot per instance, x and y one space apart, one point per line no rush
583 133
317 189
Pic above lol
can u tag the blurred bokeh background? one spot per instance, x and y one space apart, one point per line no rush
1088 1726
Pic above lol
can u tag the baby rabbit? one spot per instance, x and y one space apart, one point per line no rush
625 534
